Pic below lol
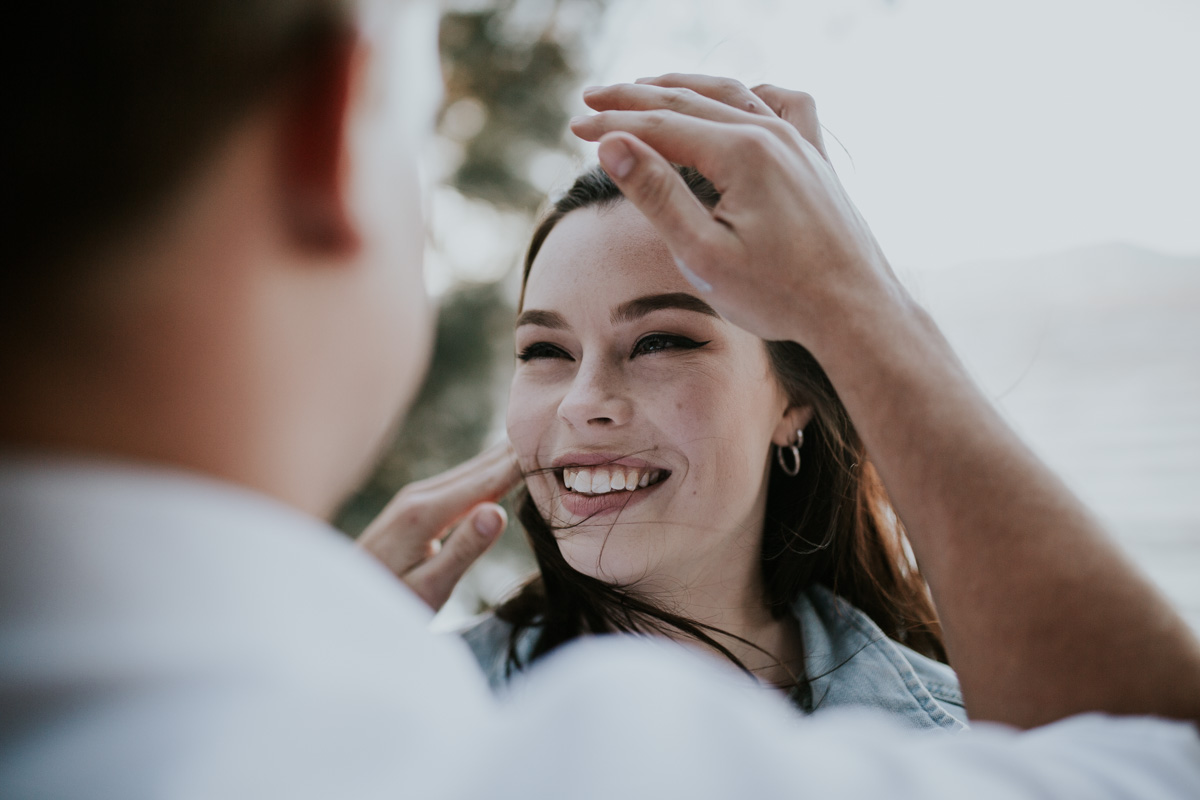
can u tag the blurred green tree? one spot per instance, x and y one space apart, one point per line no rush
510 68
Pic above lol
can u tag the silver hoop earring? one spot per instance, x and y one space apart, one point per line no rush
791 470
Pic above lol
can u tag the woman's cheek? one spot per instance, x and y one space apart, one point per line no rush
541 489
685 406
521 424
526 429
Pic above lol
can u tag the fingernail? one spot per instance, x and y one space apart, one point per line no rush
693 278
590 89
488 523
617 159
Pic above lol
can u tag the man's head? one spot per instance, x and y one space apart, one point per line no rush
215 260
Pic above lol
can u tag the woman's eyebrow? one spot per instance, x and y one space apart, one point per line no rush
628 311
641 306
547 319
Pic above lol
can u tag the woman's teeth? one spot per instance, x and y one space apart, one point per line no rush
602 480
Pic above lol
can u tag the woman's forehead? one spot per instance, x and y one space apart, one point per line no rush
602 250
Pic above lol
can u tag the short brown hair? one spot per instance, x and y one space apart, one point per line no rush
115 101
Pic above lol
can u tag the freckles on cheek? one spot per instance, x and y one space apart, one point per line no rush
540 482
691 424
695 406
523 436
526 431
711 423
525 426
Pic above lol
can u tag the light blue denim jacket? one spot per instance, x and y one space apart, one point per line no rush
849 661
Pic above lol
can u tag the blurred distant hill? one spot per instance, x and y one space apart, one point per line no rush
1094 357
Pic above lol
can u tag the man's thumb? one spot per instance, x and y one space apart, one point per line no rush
616 157
655 186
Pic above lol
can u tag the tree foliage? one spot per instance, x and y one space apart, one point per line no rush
512 65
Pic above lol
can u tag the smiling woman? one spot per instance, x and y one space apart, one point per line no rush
667 491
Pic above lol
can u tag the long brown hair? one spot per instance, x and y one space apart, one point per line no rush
832 524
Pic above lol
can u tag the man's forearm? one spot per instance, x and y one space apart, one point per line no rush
1043 616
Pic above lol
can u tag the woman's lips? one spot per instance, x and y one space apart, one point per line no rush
587 505
604 478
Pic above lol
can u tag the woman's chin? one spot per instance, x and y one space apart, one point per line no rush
588 554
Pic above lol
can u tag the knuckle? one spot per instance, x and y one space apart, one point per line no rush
804 100
758 140
412 512
779 129
680 97
732 85
769 96
657 118
730 90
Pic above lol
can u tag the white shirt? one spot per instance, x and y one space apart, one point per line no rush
167 636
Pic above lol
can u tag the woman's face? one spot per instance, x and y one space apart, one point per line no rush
644 420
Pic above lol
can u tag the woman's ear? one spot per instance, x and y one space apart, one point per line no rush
793 419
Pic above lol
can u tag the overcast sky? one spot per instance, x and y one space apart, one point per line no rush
976 130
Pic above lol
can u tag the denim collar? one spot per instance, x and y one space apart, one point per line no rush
850 661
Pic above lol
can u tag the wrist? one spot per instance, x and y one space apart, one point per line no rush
855 321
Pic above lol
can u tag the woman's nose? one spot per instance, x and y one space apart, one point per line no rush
597 397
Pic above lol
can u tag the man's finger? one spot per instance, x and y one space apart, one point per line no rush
709 146
437 502
652 184
723 90
403 533
434 579
797 109
682 100
440 501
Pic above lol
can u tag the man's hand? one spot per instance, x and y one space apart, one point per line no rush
764 152
1043 616
433 530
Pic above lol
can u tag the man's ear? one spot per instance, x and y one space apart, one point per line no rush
315 166
793 419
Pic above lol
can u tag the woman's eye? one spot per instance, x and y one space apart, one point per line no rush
540 350
657 342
